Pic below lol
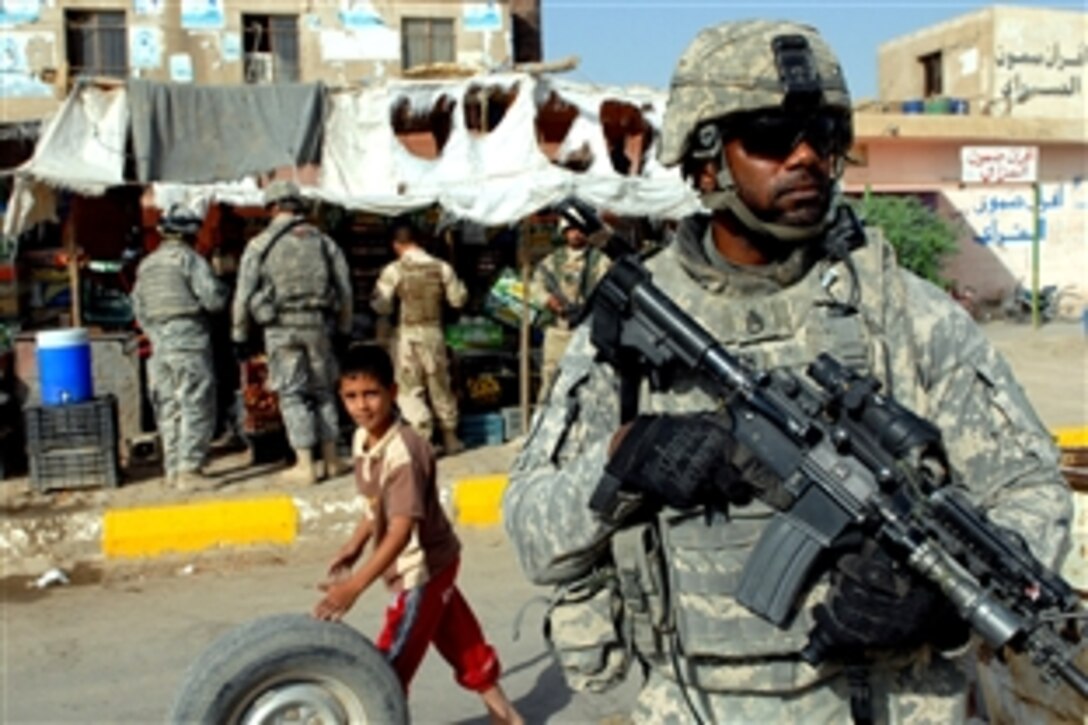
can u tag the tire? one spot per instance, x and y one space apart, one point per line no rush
290 668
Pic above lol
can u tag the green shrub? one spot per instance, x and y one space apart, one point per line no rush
922 238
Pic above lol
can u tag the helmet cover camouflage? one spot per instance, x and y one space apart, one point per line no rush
281 189
180 221
732 67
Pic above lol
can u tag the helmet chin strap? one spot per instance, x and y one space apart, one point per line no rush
725 198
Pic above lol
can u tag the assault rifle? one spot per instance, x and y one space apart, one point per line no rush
850 460
568 310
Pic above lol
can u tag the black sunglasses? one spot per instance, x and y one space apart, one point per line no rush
775 134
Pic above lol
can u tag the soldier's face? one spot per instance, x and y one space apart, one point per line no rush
782 165
368 402
576 239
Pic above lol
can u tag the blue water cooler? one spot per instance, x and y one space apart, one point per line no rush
64 366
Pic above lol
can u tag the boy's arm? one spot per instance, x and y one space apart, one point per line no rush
340 596
350 551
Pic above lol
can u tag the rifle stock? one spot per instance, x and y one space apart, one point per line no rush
850 460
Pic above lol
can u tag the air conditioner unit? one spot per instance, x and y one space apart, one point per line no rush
260 68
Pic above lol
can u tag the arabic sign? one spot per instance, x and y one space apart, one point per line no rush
999 164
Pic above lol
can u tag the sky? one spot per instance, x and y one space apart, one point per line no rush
637 42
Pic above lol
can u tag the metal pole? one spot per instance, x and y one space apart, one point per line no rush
74 284
1036 194
524 368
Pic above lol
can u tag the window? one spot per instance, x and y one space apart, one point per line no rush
270 48
933 83
426 40
96 43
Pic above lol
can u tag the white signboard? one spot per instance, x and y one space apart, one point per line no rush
999 164
481 17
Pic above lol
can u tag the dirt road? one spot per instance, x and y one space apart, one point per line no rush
1051 364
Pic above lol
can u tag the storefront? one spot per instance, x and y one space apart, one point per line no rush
476 163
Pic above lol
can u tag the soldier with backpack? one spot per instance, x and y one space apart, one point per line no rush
293 282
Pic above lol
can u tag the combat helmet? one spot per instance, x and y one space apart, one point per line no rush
744 66
180 221
281 190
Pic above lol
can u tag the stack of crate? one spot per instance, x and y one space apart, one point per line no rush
74 445
481 429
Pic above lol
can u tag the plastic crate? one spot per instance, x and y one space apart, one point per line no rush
85 467
481 429
92 424
511 421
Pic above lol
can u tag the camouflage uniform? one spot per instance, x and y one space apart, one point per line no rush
174 291
674 578
421 282
927 353
294 281
576 272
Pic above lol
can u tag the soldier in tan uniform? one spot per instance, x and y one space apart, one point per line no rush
420 282
561 285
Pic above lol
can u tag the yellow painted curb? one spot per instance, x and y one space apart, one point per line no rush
478 499
1073 437
155 530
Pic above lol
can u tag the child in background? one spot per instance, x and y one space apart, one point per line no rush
415 548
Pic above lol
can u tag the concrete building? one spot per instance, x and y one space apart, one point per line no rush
47 45
1010 83
1003 61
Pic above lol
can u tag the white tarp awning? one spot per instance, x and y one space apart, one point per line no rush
491 178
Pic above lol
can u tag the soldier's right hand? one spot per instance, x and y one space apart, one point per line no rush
679 460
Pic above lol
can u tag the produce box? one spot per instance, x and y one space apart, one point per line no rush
506 299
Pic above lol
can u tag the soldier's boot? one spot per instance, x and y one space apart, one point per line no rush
334 466
302 473
192 481
451 444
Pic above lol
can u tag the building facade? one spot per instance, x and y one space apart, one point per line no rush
48 45
1003 61
1004 82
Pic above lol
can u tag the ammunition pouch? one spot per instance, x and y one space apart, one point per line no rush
583 627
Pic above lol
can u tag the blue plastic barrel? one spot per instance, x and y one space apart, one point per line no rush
914 106
64 366
959 106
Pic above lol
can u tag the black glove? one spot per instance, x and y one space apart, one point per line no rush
679 460
243 351
877 603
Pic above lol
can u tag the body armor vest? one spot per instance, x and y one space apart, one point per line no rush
420 291
698 556
297 266
164 284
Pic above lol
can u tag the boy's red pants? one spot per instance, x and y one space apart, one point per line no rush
436 612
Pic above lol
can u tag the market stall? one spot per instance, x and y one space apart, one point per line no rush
478 161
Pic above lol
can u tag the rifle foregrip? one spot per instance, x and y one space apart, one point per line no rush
777 569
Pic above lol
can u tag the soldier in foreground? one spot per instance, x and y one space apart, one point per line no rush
421 282
561 284
293 281
174 294
779 271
